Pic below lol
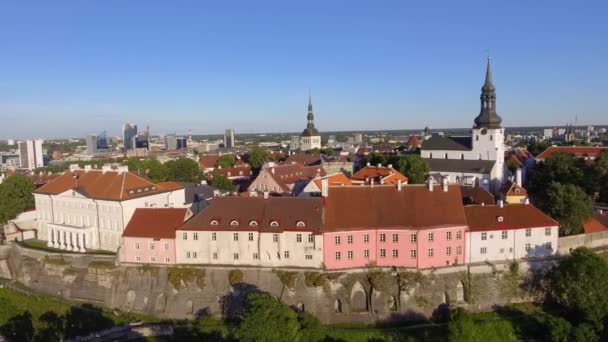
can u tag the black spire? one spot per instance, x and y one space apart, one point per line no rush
488 117
310 126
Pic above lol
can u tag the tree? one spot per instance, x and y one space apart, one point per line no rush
562 168
267 319
604 190
375 158
221 182
311 329
463 328
537 147
184 170
257 157
568 205
15 196
226 160
579 284
151 168
414 168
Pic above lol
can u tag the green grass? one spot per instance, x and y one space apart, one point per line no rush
41 245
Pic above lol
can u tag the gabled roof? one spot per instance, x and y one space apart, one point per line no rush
105 185
287 212
593 225
157 223
514 216
208 161
413 141
414 207
389 175
460 165
455 143
305 159
577 151
476 195
286 175
335 179
239 171
513 189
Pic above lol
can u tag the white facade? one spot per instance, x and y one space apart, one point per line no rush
30 154
310 142
511 244
251 248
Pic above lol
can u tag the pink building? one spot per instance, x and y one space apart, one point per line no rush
413 226
150 235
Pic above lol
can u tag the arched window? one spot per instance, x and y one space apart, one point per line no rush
446 156
214 223
300 224
253 223
234 223
462 156
431 156
274 224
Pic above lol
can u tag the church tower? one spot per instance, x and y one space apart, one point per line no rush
310 137
488 142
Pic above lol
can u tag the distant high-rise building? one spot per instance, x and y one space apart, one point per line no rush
128 133
181 142
170 142
358 138
11 142
294 144
30 154
102 141
140 141
229 138
548 133
91 144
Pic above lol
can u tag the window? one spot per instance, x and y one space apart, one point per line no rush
275 237
528 232
298 237
505 234
152 259
547 231
448 251
253 223
395 237
274 224
431 237
502 251
458 250
300 224
366 253
511 250
413 253
349 254
383 253
549 245
194 255
430 252
214 255
188 255
458 235
235 236
167 259
337 240
214 223
349 239
395 253
366 238
413 238
484 236
236 256
194 236
338 256
308 257
234 223
483 250
528 247
185 236
311 238
166 246
152 246
256 256
138 258
137 245
286 254
448 236
382 237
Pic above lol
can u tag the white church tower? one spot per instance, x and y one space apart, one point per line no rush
310 137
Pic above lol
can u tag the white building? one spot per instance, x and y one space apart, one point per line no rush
509 232
229 141
30 154
310 137
485 144
89 209
254 231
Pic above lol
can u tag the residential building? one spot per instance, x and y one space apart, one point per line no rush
513 193
149 238
255 231
378 175
30 154
587 153
229 141
282 179
128 133
507 232
88 209
313 188
310 137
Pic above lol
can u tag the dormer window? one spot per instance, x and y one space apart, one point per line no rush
274 224
500 219
300 224
214 223
516 191
253 223
234 223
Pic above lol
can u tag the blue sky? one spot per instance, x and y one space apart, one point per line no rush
68 68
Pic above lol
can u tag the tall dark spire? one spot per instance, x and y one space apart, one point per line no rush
488 117
310 126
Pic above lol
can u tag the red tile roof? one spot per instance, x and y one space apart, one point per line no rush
593 225
106 185
335 179
240 171
157 223
305 159
388 174
414 207
514 216
285 211
413 141
513 189
476 195
577 151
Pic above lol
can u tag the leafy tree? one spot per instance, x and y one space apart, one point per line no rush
580 284
538 147
562 168
226 160
221 182
311 329
375 158
604 189
557 328
463 328
568 205
328 151
183 170
583 333
257 157
151 168
414 168
267 319
19 327
15 196
600 165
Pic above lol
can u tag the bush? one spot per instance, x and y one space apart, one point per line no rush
315 279
288 279
235 277
184 276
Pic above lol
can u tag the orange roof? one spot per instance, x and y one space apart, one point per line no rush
388 175
157 223
106 185
413 141
513 189
335 179
592 225
514 216
577 151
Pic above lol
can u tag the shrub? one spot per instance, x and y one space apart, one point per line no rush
235 277
288 279
184 276
315 279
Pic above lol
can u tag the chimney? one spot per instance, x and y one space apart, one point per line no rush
518 176
444 184
87 168
253 194
216 193
399 185
266 194
390 166
105 168
526 200
372 182
369 164
73 167
483 204
431 183
501 203
272 170
324 187
381 180
379 165
122 168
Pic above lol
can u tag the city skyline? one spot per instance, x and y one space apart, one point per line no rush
207 68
